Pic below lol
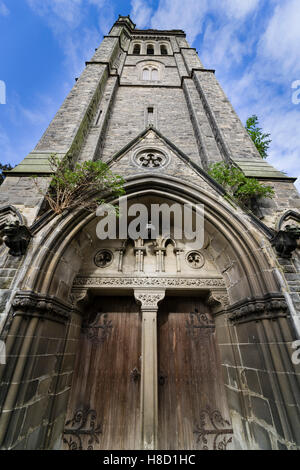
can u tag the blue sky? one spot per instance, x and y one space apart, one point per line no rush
254 45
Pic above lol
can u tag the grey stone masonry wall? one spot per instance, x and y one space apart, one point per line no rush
191 59
128 119
260 381
169 75
182 70
95 139
60 134
207 145
286 198
228 130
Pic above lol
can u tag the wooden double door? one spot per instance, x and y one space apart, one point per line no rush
104 406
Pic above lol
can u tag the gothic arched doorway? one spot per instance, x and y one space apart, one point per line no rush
106 403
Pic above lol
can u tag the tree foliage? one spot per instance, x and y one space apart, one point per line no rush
260 140
84 185
4 168
238 185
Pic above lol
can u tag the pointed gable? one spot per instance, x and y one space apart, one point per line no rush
150 153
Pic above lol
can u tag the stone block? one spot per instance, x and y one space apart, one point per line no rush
261 437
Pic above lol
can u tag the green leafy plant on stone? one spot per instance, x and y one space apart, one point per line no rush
260 140
83 185
233 180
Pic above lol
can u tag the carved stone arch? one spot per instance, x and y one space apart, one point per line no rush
151 45
167 47
245 246
237 248
150 65
136 43
168 240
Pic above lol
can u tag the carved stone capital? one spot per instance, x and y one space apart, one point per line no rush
217 301
271 306
78 296
31 304
148 299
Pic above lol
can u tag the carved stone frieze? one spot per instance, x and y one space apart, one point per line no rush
148 282
31 304
269 307
152 38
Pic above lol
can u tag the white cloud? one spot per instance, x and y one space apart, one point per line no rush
66 20
222 48
237 8
4 11
140 13
190 15
279 46
58 12
181 14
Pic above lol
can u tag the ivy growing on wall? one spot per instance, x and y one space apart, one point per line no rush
79 186
233 180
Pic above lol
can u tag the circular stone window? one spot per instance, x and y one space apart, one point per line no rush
103 258
195 259
150 159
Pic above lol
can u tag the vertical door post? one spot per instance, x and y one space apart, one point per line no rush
148 299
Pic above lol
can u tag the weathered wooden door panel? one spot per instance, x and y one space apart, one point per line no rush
192 409
103 411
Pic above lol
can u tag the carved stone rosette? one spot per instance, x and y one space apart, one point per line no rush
31 304
270 306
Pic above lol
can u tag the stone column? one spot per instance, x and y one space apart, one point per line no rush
148 300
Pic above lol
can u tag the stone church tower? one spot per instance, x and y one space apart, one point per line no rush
149 343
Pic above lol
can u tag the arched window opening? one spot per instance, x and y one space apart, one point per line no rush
146 74
137 49
150 49
154 74
163 50
150 73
